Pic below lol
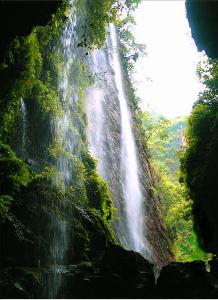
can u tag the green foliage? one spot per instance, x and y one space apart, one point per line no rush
199 162
97 189
47 173
86 188
14 175
155 127
98 195
24 74
45 100
5 203
13 172
30 63
130 50
32 71
164 139
89 162
77 189
98 14
6 152
187 246
132 4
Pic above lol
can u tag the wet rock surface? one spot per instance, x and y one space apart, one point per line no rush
183 280
97 267
119 274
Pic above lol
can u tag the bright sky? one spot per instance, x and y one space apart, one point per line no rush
171 61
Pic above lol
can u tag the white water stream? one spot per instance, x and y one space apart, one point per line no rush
111 141
23 114
59 224
128 199
134 208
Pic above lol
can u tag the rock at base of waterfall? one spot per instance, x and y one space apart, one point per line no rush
187 280
119 274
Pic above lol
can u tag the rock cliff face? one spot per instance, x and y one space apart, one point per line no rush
188 280
50 234
105 143
17 18
156 233
202 17
55 209
96 267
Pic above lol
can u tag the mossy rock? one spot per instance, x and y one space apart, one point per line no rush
19 282
14 175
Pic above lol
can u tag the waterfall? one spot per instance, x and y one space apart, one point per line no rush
135 213
59 238
23 116
61 217
67 140
111 141
69 96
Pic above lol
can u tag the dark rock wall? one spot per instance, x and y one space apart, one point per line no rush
203 20
17 18
188 281
97 268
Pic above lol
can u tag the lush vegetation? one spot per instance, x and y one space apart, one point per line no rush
199 162
130 50
97 15
165 141
24 74
32 71
14 176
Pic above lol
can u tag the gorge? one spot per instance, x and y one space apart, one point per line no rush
79 215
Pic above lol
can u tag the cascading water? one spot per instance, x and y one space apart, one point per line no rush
59 224
95 109
114 146
111 143
60 200
134 207
23 114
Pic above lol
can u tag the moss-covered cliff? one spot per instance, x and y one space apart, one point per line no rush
37 208
55 210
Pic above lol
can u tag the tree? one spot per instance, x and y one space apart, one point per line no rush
164 142
199 163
